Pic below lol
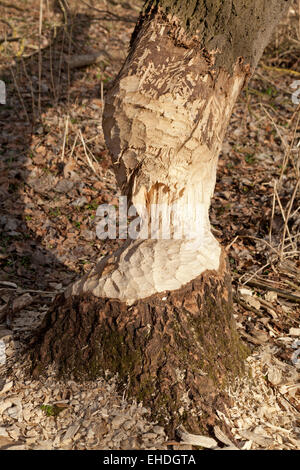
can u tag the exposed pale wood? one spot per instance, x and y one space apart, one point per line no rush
164 123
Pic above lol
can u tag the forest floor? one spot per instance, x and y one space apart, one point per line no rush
54 173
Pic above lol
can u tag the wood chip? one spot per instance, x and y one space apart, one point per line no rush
193 439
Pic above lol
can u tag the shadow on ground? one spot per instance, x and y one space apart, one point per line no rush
23 258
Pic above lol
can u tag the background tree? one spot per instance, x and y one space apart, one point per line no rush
159 311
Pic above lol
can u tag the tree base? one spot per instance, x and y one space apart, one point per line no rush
176 351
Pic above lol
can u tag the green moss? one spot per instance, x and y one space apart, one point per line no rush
51 410
121 356
147 388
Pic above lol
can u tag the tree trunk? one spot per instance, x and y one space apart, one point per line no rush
159 311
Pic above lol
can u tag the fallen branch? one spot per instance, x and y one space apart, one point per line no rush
111 16
15 305
280 70
10 5
9 40
246 306
83 60
77 61
280 292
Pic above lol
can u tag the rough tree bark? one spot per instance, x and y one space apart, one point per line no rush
159 311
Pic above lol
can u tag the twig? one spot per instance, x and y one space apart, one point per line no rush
86 154
246 306
9 40
65 138
280 292
40 57
10 5
254 274
31 88
231 243
65 9
287 219
102 97
73 146
272 215
9 284
295 165
276 127
33 291
294 286
92 155
268 307
285 223
261 240
280 70
19 94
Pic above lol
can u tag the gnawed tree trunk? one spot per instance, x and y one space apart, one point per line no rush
159 311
